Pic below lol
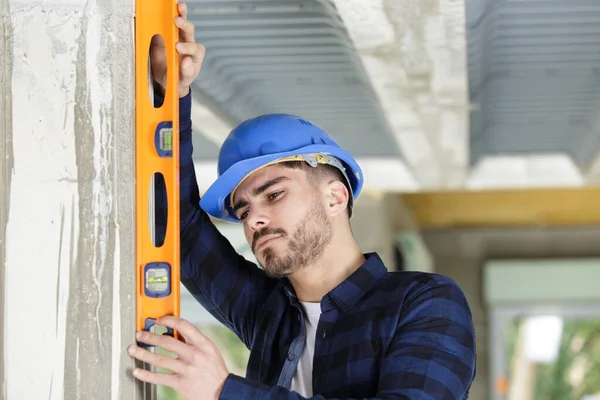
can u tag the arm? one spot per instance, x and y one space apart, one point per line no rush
231 288
431 357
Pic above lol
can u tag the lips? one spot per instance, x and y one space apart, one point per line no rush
265 240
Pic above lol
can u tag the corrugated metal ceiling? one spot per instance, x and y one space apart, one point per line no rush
289 56
533 68
534 77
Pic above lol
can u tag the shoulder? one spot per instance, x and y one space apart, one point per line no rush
402 285
408 284
417 295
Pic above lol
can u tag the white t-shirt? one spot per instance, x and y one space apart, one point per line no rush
302 381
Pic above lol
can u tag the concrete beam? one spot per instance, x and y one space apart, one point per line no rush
67 187
414 53
505 208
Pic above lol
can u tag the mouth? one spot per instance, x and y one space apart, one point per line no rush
266 240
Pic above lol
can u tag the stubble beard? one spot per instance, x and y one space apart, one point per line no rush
306 245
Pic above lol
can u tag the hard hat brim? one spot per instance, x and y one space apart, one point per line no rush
216 199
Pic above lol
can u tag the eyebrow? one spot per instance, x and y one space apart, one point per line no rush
259 190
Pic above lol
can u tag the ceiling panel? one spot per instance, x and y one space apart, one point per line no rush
534 77
288 56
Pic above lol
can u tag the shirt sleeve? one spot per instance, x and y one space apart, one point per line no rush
432 355
230 287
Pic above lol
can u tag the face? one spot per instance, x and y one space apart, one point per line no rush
284 218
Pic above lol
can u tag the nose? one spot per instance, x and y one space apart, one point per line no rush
257 219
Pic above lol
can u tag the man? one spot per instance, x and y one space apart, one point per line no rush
322 319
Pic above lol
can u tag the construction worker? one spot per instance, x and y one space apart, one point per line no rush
321 319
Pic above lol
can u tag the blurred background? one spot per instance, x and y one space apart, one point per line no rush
477 127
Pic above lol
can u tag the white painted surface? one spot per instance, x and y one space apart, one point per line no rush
44 201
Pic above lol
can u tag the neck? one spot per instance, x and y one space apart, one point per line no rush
339 260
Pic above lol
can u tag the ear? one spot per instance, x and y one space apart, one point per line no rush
337 198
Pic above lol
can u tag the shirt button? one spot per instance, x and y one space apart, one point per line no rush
324 333
291 356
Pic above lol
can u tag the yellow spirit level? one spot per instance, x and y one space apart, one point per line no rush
157 156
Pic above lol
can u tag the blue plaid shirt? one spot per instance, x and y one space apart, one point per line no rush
381 335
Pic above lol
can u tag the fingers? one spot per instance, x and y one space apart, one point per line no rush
191 53
195 50
186 71
186 29
186 48
166 342
156 378
157 360
182 8
189 332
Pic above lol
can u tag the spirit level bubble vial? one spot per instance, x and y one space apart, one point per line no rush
157 280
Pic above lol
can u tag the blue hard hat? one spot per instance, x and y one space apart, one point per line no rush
266 139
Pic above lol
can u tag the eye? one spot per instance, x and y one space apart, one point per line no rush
243 215
274 195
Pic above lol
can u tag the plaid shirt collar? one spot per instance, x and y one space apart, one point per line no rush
347 293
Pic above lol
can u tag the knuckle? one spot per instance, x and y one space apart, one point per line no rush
189 370
150 357
140 373
207 342
186 325
196 356
156 358
144 355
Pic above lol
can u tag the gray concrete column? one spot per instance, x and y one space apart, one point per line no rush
373 226
67 244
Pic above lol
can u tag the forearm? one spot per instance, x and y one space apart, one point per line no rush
211 269
236 387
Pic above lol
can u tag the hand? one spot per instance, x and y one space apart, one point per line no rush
198 371
191 55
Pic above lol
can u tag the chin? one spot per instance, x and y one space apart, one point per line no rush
267 254
271 264
277 274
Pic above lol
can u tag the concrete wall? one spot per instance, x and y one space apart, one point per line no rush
6 165
66 199
460 255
